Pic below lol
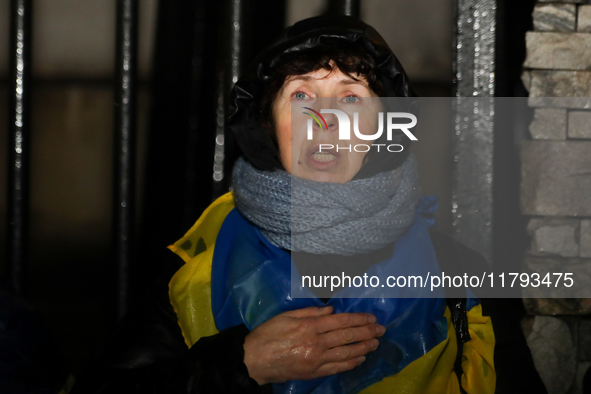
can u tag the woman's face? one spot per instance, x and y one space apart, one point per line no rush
318 90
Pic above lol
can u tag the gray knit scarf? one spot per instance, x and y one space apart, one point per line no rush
351 218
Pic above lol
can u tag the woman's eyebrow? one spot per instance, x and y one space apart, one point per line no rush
299 78
344 81
350 81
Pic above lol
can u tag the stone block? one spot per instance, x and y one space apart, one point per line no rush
553 352
555 17
558 51
560 102
548 292
579 124
548 124
584 19
585 240
557 306
554 237
572 88
556 178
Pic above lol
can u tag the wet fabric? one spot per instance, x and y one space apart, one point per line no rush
167 345
190 287
431 372
251 282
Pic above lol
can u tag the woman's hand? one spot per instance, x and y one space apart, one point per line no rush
309 343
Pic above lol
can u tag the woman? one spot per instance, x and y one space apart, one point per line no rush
233 325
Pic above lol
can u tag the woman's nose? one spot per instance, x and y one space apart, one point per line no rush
332 123
323 121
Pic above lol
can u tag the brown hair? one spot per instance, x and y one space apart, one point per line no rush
349 62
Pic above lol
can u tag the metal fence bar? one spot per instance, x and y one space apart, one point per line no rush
235 53
348 7
198 149
19 141
124 146
472 177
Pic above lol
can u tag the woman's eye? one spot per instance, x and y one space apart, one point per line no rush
300 95
351 99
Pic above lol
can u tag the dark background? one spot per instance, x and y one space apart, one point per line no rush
184 53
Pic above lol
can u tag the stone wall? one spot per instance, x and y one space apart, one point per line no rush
556 187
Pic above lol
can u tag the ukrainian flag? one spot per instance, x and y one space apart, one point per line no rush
233 275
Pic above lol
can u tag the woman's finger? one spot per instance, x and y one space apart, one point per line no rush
312 311
343 320
352 334
345 353
338 367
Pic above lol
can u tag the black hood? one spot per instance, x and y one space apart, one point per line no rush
314 34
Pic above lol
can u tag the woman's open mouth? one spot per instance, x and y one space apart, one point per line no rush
322 157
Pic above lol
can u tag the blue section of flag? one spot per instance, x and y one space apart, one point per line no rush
251 283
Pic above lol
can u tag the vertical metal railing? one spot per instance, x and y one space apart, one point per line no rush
474 83
346 7
234 28
19 141
124 129
124 146
198 127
